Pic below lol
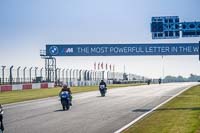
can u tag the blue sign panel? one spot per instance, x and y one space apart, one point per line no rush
122 49
166 27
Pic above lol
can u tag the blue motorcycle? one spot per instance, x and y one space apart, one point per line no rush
65 100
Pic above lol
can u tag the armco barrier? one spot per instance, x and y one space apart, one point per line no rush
25 86
6 88
17 87
50 85
36 86
44 85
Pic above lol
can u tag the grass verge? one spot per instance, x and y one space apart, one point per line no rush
23 95
180 115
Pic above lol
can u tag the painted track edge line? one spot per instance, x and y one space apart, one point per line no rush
140 117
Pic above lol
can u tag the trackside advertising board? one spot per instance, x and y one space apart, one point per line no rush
122 49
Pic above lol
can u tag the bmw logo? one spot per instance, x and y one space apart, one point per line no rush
53 50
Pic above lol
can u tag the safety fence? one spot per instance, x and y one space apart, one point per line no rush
11 75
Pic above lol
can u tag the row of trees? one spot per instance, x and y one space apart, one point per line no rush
191 78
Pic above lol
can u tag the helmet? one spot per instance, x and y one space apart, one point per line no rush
65 85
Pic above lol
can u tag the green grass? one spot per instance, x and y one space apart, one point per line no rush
23 95
180 115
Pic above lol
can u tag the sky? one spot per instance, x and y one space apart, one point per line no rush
26 26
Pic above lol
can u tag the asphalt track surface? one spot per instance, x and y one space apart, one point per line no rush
90 113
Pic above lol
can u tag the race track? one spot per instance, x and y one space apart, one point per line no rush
90 113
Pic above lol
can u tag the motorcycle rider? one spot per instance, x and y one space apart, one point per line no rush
65 88
148 81
159 80
1 118
102 83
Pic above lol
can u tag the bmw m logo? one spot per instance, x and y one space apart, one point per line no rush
53 50
68 50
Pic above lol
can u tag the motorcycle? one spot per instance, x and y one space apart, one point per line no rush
65 100
149 82
1 119
102 90
159 81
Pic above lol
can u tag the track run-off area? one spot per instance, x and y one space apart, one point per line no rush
90 113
